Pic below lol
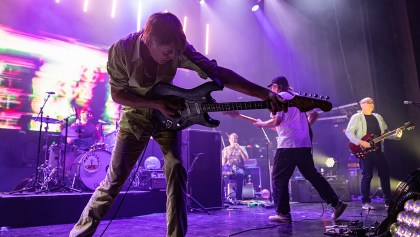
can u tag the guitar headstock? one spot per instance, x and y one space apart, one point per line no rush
233 113
409 125
306 103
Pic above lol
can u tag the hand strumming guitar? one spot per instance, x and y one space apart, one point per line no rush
168 108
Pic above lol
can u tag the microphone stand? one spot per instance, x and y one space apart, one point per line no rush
188 188
267 143
35 181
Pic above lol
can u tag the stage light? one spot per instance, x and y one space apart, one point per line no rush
139 15
202 1
403 218
207 38
114 5
330 162
184 27
255 8
85 6
57 1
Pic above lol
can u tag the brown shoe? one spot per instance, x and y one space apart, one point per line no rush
338 210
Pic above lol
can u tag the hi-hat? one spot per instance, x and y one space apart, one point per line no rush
45 119
79 131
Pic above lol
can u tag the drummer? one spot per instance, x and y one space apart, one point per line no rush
234 156
83 133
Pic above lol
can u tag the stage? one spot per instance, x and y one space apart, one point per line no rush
309 219
29 209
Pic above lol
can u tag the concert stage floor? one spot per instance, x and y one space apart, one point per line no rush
309 220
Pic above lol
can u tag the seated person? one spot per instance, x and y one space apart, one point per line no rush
235 155
83 133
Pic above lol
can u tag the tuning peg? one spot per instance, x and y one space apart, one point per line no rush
305 94
327 97
315 95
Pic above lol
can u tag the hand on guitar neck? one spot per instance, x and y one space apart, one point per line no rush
236 114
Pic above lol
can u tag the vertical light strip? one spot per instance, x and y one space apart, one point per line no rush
138 15
114 5
86 5
207 38
185 24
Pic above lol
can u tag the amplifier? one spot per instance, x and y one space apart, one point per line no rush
151 179
303 191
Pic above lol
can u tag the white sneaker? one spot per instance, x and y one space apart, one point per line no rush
281 218
367 206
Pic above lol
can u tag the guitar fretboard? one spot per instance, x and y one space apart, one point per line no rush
387 134
214 107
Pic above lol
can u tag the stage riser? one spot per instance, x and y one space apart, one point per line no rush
39 210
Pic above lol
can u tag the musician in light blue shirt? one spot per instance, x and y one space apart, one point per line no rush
360 124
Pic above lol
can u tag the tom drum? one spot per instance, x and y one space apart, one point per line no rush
56 155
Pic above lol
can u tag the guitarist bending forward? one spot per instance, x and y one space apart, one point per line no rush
361 124
135 64
294 149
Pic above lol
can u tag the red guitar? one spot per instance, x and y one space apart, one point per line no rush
361 152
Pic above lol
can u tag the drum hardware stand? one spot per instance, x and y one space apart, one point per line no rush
40 116
61 187
189 197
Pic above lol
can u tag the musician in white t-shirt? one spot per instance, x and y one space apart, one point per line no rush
294 149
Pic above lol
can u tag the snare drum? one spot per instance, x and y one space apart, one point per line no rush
56 155
92 167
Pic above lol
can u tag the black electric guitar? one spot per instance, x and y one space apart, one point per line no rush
361 152
197 102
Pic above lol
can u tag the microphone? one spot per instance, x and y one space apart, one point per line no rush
407 102
50 92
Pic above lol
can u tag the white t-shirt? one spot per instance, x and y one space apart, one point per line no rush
293 131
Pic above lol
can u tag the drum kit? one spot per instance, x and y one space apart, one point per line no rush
66 166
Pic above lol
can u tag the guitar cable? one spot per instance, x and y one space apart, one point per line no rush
129 186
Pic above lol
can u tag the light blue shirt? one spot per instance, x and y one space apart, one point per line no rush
357 127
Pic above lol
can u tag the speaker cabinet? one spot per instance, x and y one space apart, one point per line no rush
254 174
201 154
303 191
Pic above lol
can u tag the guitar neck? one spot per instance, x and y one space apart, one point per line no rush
248 118
387 134
215 107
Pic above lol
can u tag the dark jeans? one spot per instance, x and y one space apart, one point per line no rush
285 161
375 159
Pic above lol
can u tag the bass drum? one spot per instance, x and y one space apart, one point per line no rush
92 167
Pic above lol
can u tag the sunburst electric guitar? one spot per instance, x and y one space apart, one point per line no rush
197 102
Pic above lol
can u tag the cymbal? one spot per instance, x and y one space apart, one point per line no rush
79 131
104 122
45 119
